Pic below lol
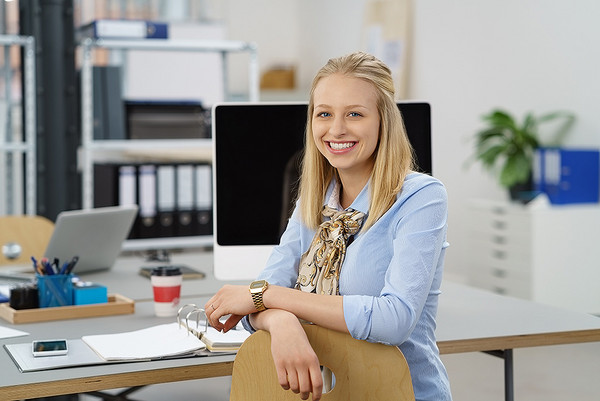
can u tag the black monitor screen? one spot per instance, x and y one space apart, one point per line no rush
258 147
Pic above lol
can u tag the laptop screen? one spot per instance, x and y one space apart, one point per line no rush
258 147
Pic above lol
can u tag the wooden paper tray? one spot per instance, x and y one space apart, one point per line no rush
116 305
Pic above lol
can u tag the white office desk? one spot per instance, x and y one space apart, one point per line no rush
469 320
474 320
15 385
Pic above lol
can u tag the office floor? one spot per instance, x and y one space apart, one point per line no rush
555 373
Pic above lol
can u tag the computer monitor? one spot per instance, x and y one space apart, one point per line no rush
257 150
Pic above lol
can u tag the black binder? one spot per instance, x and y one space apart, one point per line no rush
109 108
185 200
127 184
165 182
203 210
147 199
106 189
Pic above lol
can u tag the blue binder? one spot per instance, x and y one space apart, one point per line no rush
124 29
568 175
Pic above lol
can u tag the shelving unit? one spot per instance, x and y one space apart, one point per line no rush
14 144
90 148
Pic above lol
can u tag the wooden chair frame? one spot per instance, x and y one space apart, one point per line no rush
362 370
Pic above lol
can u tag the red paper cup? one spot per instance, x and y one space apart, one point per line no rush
166 284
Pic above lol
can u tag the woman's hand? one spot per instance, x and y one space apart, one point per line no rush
297 365
234 300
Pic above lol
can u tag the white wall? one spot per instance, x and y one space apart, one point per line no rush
467 57
525 55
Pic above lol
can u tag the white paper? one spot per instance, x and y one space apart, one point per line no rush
231 339
6 332
151 343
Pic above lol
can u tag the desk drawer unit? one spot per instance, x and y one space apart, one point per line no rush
500 258
546 254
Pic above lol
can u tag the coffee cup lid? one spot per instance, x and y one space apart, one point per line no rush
166 271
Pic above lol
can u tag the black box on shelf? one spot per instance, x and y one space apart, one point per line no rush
166 120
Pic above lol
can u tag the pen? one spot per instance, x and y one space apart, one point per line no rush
64 268
72 264
47 267
35 265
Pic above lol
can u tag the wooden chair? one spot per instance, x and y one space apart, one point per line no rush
362 370
30 233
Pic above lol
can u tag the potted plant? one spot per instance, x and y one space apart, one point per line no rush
507 147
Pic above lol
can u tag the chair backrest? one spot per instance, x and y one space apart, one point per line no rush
362 370
31 234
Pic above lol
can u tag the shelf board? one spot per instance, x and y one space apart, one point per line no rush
168 243
175 45
151 144
15 147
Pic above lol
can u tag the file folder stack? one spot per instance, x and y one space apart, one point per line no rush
174 199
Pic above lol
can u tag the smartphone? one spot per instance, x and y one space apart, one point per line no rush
49 347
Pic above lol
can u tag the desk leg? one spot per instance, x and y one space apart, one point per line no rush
122 396
509 388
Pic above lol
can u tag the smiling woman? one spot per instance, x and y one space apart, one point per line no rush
363 251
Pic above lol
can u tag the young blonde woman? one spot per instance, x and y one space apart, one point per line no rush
363 251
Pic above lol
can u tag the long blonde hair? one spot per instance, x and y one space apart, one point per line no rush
393 156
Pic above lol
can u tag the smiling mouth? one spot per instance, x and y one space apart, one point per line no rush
341 145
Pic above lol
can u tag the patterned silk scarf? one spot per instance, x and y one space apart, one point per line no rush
320 266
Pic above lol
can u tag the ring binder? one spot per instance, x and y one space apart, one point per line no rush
195 310
214 340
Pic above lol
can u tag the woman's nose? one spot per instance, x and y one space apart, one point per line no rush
338 126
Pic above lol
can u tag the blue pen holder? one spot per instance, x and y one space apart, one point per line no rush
55 290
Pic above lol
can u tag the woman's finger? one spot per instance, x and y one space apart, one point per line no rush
304 384
316 379
282 377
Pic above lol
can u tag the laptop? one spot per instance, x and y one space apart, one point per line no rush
94 235
257 153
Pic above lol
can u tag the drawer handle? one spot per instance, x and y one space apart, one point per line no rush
499 273
499 225
499 254
499 239
498 290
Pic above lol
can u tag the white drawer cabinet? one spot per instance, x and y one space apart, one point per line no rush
546 254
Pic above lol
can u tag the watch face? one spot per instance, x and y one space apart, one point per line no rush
257 284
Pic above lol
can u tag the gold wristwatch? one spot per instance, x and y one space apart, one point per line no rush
257 289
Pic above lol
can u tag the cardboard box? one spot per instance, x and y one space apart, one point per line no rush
278 78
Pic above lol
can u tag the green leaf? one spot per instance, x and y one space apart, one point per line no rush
488 156
500 119
517 169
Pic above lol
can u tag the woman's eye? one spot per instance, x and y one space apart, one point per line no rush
323 114
354 114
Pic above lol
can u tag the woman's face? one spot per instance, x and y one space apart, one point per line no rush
345 123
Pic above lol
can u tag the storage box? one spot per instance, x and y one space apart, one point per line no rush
279 78
86 293
568 175
166 120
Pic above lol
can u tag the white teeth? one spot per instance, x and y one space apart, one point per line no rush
339 146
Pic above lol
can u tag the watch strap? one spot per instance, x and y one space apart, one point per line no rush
257 298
